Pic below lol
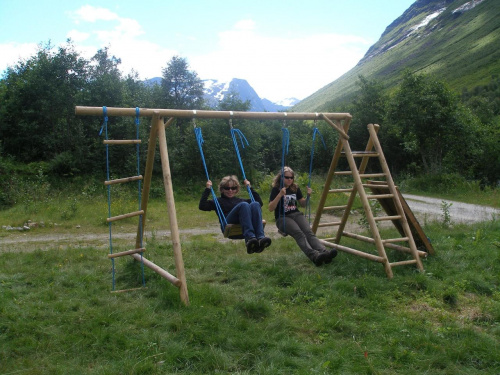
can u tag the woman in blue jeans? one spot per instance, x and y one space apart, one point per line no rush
239 211
284 200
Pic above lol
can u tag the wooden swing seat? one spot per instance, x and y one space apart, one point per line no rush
234 231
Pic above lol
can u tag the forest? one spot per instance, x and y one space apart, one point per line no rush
426 128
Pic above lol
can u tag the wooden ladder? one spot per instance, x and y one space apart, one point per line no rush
363 184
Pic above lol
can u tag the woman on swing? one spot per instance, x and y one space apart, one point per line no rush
284 200
245 212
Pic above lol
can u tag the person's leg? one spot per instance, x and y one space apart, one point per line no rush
256 218
304 226
240 214
290 227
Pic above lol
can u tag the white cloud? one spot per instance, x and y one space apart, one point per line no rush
88 13
13 52
77 36
279 67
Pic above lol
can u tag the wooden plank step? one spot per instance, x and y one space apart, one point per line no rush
343 173
340 190
128 252
385 218
372 175
380 196
363 154
128 290
124 216
331 224
121 141
374 185
122 180
235 231
392 240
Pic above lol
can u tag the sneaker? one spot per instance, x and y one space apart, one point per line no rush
252 245
263 243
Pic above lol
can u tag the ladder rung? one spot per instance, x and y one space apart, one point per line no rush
403 263
362 154
124 216
122 180
128 252
343 173
371 175
340 190
384 218
121 141
333 223
380 196
376 186
391 240
335 207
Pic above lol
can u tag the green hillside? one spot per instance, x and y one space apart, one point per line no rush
457 41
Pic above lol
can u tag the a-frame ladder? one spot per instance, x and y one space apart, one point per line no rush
362 182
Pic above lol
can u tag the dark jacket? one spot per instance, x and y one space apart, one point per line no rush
226 204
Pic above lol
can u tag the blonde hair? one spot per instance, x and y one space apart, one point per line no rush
277 179
226 180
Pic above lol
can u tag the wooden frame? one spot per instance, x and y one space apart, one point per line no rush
340 122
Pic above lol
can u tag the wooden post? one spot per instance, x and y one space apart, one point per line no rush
169 196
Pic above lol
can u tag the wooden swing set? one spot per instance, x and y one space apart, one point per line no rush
383 189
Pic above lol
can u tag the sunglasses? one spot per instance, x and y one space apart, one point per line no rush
288 177
230 187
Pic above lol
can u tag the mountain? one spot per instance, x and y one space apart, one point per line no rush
214 92
457 41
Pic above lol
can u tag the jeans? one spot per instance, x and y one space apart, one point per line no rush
249 216
297 226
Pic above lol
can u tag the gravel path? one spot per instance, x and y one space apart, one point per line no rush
425 209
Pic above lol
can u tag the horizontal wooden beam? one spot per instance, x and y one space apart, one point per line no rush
184 113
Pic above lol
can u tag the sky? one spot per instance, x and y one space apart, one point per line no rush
283 49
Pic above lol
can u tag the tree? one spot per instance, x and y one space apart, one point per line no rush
38 100
423 113
181 88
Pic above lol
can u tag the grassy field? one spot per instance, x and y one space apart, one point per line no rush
268 313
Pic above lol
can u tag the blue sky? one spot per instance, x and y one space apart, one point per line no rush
282 48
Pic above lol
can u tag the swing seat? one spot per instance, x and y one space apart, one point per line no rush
234 231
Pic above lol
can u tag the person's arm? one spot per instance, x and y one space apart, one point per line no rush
205 204
274 202
256 195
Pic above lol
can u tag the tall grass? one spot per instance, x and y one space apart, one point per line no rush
268 313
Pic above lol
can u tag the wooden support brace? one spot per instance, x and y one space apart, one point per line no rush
331 224
340 190
386 218
335 207
346 249
380 196
403 263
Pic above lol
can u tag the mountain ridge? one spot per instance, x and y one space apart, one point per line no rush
214 92
455 40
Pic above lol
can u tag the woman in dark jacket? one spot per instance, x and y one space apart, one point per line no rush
240 211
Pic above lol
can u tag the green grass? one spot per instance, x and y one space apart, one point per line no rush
269 313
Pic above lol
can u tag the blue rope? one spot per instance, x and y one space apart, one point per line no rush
285 142
137 123
243 140
105 128
220 213
308 205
